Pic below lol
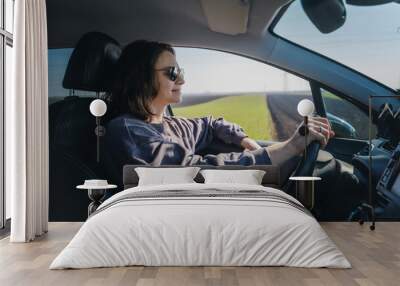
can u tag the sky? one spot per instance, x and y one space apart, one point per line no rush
369 41
214 71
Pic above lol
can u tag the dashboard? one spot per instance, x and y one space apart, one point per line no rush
385 169
389 180
388 188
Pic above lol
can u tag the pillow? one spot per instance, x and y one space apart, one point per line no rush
248 177
163 176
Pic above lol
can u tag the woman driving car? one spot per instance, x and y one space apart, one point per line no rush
148 80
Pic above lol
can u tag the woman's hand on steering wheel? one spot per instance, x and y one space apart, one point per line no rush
319 130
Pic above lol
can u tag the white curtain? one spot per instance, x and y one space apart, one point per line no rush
27 124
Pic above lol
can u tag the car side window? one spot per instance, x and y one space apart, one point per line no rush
260 98
347 120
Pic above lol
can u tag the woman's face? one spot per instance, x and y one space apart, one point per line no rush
169 90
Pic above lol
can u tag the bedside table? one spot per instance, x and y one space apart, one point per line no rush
96 194
305 190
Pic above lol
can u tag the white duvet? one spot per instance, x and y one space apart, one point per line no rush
207 230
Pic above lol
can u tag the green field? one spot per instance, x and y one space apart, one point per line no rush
250 111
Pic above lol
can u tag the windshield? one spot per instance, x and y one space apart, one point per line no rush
368 42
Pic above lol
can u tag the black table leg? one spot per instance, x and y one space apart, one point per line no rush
305 193
97 196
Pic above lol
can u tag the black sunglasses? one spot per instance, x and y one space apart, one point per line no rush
173 73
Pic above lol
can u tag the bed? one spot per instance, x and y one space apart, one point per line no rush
198 224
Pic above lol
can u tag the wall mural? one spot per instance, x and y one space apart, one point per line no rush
85 143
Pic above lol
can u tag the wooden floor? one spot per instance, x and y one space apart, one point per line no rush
374 255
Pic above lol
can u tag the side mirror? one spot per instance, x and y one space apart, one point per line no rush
327 15
342 128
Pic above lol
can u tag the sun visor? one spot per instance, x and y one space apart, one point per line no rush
226 16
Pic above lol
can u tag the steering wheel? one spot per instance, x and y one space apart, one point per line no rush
305 167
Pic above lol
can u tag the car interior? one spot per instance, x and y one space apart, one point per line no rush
348 165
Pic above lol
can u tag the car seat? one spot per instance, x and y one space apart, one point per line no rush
72 141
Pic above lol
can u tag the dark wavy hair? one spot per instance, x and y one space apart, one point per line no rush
135 82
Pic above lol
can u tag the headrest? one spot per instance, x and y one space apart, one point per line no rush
92 63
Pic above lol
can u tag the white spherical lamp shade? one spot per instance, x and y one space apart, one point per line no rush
98 107
305 107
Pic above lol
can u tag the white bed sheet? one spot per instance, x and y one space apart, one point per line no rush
191 231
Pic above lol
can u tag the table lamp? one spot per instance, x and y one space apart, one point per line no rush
305 108
98 108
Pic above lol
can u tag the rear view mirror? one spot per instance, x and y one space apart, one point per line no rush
327 15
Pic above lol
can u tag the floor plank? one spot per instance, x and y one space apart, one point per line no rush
374 255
